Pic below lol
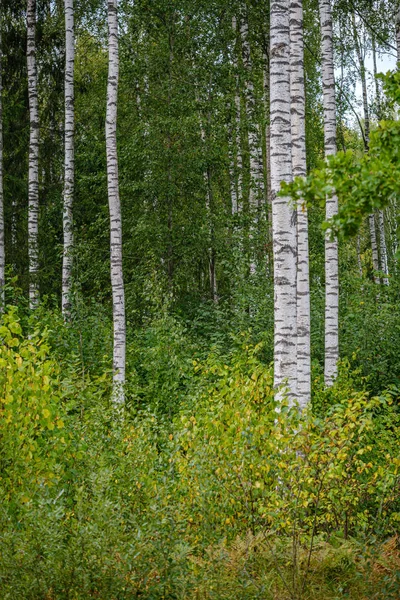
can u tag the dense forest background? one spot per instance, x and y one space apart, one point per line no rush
203 485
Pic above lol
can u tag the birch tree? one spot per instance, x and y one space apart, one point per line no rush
297 100
68 157
366 137
331 246
237 205
2 248
33 175
117 280
283 214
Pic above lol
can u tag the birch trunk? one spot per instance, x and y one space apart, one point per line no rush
2 249
398 34
297 99
250 116
69 158
283 214
374 247
33 175
371 218
239 158
382 247
117 280
331 246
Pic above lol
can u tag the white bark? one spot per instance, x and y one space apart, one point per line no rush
117 280
2 249
382 247
374 247
250 117
331 246
266 77
283 214
371 217
297 96
69 163
239 158
33 176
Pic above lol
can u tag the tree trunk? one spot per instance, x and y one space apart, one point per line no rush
283 214
117 280
297 99
33 176
239 158
398 34
2 249
371 218
250 116
331 246
69 158
382 247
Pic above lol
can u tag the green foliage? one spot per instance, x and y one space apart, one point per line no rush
362 185
236 496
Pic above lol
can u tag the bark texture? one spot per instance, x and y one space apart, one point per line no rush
331 246
374 247
366 136
2 249
33 175
117 280
398 34
297 100
283 214
68 157
238 205
382 248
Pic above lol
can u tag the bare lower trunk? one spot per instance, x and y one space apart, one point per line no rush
382 248
283 214
297 96
2 249
331 246
33 175
374 247
69 158
117 280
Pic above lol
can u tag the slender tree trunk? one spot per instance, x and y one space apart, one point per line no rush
283 214
377 89
268 192
253 138
374 247
398 34
371 218
2 249
382 247
331 246
239 157
33 176
381 215
250 116
69 158
361 63
267 137
117 280
298 117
